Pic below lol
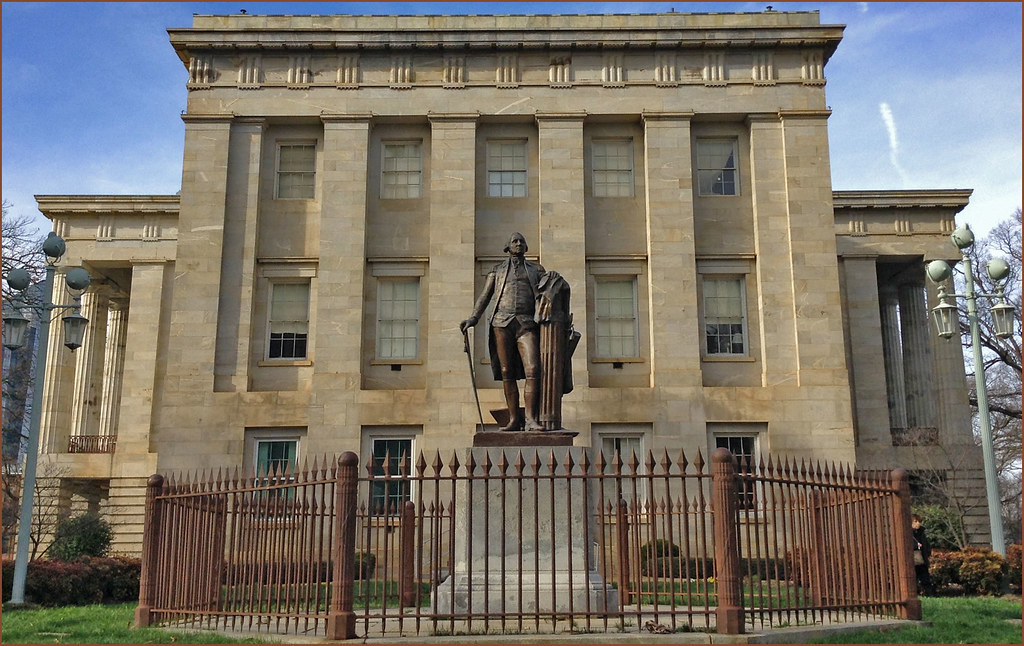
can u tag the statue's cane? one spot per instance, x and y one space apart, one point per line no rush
472 376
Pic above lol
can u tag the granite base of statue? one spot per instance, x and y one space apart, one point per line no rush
525 542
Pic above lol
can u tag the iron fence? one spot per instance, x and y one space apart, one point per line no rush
539 540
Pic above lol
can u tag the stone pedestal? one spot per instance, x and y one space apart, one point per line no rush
525 536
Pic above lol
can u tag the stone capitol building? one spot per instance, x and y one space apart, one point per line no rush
349 181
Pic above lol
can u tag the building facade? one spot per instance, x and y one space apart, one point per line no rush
348 181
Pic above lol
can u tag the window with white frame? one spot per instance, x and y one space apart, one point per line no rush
506 168
629 443
717 170
398 318
744 449
390 454
272 454
401 170
724 315
612 162
296 171
615 317
288 320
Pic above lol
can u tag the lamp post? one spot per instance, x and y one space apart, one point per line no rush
15 325
947 323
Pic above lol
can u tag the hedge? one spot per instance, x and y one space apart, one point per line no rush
972 571
86 581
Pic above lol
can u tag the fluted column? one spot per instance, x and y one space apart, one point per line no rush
113 367
892 345
55 420
89 366
917 362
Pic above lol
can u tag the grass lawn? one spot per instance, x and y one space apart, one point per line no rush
975 620
95 625
955 620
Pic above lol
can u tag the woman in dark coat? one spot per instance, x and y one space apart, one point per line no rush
924 578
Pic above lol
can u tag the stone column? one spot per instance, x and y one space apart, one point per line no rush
562 244
241 222
451 270
917 360
340 273
113 367
671 256
892 352
773 247
89 366
55 421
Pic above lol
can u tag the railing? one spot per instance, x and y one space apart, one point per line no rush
527 541
92 443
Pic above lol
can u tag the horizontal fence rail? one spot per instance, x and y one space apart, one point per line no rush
527 540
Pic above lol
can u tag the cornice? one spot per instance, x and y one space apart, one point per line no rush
907 199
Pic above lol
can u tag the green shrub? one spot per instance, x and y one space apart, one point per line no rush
366 562
943 526
658 549
982 571
86 581
85 535
1013 573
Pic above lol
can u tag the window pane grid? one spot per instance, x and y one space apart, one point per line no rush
296 171
398 320
615 314
742 448
401 171
289 321
388 496
724 321
613 168
716 167
506 169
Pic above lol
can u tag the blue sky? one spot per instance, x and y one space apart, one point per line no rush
924 95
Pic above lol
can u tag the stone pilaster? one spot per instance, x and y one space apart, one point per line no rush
451 270
562 244
241 222
88 387
671 256
193 328
113 367
139 381
774 252
814 260
917 363
867 355
340 272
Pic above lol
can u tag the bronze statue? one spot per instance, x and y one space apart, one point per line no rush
528 299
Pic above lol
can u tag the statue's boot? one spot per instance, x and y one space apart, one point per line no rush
515 422
532 395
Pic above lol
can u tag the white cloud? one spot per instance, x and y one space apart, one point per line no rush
894 142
